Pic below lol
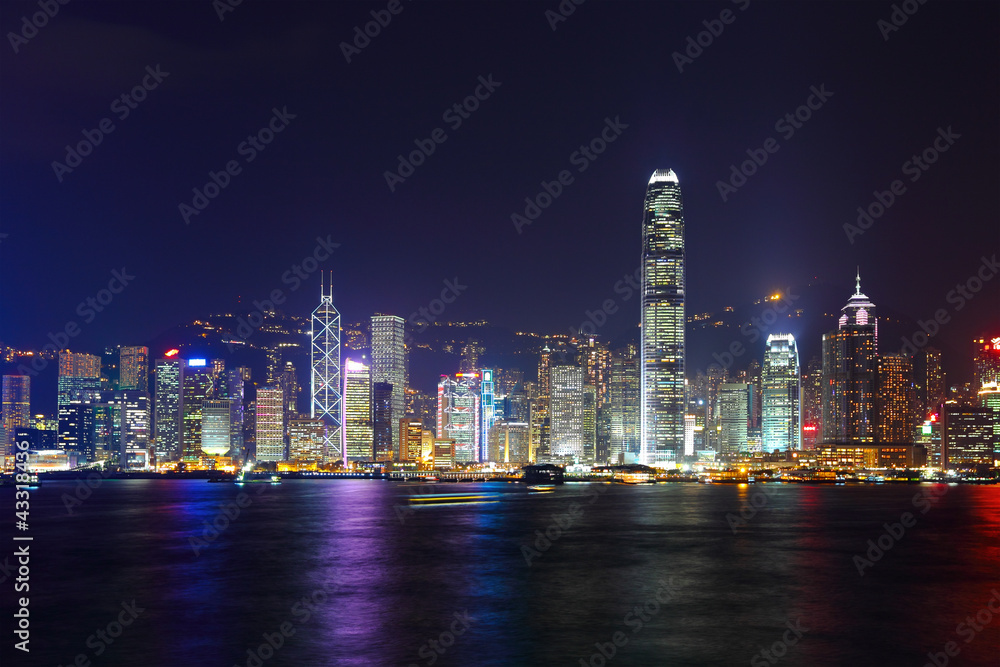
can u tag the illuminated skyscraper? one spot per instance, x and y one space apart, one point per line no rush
734 404
812 406
566 412
133 368
933 380
382 429
894 421
589 424
989 397
458 414
197 385
968 436
307 436
16 406
487 413
662 365
271 424
624 399
389 365
509 442
215 426
986 361
77 373
236 393
849 362
325 377
411 432
357 412
169 378
781 389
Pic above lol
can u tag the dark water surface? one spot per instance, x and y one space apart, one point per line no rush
384 581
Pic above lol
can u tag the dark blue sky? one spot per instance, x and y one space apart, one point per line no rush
323 174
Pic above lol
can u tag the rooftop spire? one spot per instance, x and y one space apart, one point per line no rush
857 283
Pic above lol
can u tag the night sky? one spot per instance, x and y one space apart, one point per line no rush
323 174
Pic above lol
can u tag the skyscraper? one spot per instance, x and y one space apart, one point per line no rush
458 414
624 399
812 404
662 365
78 373
215 427
357 412
849 362
169 379
197 385
986 362
133 368
734 404
306 440
411 432
389 365
894 400
271 424
781 389
325 376
382 429
487 413
566 412
16 406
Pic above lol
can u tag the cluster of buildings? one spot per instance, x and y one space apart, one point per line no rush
588 404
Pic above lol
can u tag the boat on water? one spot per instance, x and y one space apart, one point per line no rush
262 478
541 488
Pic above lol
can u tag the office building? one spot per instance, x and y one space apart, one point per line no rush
968 436
358 436
16 394
215 426
133 368
382 424
734 403
325 379
307 438
388 365
169 379
780 385
894 399
459 415
270 423
566 413
662 316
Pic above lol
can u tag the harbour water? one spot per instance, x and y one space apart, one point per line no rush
319 572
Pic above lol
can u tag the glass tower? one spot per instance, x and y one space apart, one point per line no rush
358 412
781 389
662 364
389 365
325 378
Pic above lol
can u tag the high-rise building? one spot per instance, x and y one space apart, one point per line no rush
389 365
358 412
215 426
894 399
968 436
812 404
734 403
566 412
487 413
849 355
589 424
78 372
325 381
509 443
236 393
16 407
780 408
986 361
198 384
663 292
382 424
133 368
270 420
458 414
307 436
933 380
989 397
411 432
169 379
624 401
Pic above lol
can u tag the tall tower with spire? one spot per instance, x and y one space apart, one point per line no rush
325 377
850 358
662 311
